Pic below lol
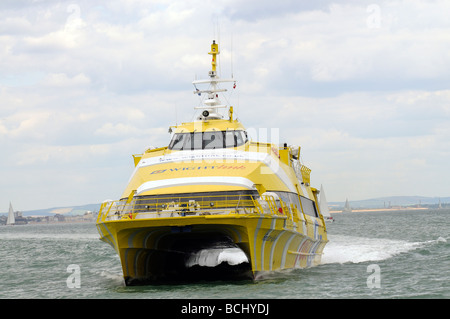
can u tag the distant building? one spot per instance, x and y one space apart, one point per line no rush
59 218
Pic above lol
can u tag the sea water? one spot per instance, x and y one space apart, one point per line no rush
404 254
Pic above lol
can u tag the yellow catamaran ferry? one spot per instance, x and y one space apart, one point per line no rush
213 204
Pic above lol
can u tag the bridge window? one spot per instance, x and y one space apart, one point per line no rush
208 140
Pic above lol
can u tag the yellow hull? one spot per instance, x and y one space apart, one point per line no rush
214 204
156 249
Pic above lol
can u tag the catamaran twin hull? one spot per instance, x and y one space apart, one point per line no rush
213 204
216 214
162 248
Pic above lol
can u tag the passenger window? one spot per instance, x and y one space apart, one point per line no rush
207 140
213 140
239 139
197 140
177 142
230 139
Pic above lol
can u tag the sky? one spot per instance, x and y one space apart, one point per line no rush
362 86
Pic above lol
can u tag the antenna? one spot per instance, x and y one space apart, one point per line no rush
212 103
218 41
232 71
176 114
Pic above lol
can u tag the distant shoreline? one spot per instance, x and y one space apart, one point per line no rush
364 210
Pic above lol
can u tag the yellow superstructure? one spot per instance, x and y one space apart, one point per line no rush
213 204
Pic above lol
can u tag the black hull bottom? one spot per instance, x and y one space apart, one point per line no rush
222 272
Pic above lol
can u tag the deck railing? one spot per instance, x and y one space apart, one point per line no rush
180 206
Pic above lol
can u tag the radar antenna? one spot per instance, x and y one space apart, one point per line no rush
212 103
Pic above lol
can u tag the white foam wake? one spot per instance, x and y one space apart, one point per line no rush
343 249
49 236
212 257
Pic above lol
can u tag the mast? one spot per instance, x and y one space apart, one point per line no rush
214 52
212 104
11 219
347 208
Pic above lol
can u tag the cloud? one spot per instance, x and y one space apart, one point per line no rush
119 129
62 80
29 126
15 26
363 87
335 51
